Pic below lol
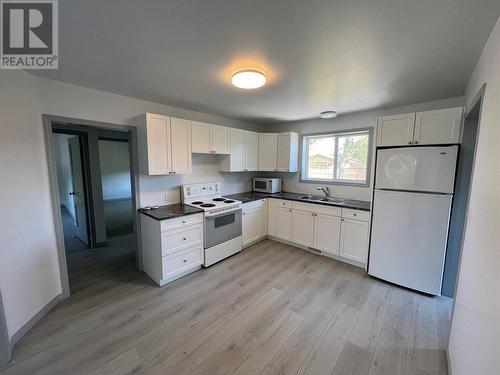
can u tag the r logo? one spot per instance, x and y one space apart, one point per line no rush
29 34
27 28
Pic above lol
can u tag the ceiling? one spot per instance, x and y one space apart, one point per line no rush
343 55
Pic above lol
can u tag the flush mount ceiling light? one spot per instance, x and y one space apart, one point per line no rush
328 114
248 79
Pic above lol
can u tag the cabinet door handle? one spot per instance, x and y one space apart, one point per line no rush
184 260
416 142
184 239
354 214
409 142
289 210
183 222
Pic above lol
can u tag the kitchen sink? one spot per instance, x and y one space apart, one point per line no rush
316 198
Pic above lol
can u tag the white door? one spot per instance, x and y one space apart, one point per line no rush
158 144
409 234
200 137
237 150
220 139
429 169
438 127
180 135
78 192
263 218
354 240
327 233
268 143
272 206
251 226
284 223
303 227
251 151
395 130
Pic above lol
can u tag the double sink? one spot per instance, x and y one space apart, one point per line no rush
317 198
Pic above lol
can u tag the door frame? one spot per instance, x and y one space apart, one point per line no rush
49 123
478 100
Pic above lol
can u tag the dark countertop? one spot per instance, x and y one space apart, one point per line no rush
253 196
171 211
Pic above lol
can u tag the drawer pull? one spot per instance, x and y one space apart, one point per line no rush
184 239
354 214
184 260
183 222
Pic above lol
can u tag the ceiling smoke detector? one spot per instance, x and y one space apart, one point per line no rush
328 114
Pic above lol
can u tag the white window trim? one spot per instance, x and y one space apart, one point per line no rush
304 157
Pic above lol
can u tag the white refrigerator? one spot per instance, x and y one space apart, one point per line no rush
411 214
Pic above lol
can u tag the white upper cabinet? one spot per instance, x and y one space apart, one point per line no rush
243 152
180 133
288 152
441 126
395 130
438 127
220 139
209 138
251 151
278 152
164 145
268 151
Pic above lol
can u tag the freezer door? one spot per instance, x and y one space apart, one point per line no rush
408 242
430 169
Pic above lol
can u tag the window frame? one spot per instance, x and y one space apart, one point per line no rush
303 154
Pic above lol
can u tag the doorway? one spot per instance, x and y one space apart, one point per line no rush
459 210
94 170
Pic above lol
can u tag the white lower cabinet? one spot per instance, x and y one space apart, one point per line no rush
254 222
303 227
327 233
284 223
333 230
354 240
171 248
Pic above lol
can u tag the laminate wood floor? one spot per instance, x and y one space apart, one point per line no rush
272 309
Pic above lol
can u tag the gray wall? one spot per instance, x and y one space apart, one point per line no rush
358 120
115 169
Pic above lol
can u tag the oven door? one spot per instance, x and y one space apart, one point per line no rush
221 228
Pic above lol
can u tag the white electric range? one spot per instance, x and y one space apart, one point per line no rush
222 220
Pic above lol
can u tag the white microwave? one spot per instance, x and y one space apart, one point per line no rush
267 185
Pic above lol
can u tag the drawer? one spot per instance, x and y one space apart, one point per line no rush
180 261
252 205
284 203
175 240
348 213
181 222
318 208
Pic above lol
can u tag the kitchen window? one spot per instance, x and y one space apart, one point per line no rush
342 158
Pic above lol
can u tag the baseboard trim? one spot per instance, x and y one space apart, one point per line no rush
5 349
30 323
448 359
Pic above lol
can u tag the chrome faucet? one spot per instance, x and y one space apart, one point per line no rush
325 189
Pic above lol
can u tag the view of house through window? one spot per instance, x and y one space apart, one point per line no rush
339 157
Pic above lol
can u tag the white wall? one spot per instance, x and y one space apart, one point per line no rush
63 164
29 272
358 120
474 346
114 161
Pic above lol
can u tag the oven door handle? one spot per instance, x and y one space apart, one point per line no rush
222 214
